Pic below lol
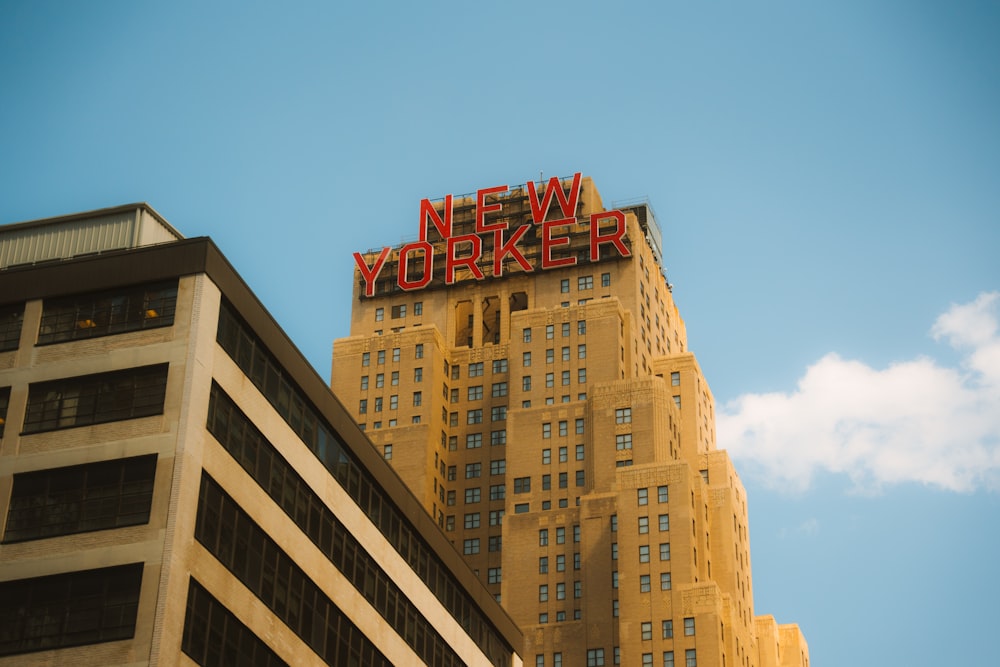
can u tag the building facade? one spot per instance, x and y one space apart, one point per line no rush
179 487
525 370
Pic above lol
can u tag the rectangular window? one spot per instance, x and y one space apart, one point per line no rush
475 393
499 389
471 520
4 403
642 496
550 356
581 351
664 522
585 282
498 413
418 375
473 495
563 428
605 280
474 417
379 314
494 575
643 525
473 470
623 415
498 467
546 430
665 551
418 399
643 553
690 658
664 581
418 308
496 517
595 657
543 565
662 494
549 331
689 626
497 492
364 383
543 537
380 380
581 326
498 437
565 378
546 456
675 379
95 399
471 546
11 318
581 375
564 285
644 585
394 402
366 358
380 357
69 609
399 311
418 350
549 380
476 369
106 313
395 354
623 441
668 658
473 440
668 629
526 335
522 484
81 498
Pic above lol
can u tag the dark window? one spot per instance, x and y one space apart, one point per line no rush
274 474
4 402
11 318
69 609
255 360
94 399
255 559
104 313
76 499
214 636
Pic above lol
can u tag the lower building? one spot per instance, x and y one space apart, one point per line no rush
178 486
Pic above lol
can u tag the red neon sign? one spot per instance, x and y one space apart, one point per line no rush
464 252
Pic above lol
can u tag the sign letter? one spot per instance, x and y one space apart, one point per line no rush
404 265
501 250
567 204
482 208
615 238
451 261
428 212
370 274
549 243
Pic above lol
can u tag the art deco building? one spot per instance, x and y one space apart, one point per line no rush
526 371
179 487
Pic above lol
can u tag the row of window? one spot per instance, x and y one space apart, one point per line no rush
550 354
399 311
550 330
595 658
246 550
289 491
94 314
259 365
584 283
550 379
69 609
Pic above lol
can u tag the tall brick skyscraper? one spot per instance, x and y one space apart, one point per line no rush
525 371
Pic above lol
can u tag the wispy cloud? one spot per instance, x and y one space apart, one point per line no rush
914 421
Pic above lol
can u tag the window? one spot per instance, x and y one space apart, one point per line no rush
472 520
473 470
546 430
454 395
96 399
496 517
4 403
379 314
549 331
476 369
69 609
418 399
499 389
11 318
543 593
677 401
581 375
495 543
644 586
543 565
522 484
379 380
581 351
418 308
453 419
364 383
473 495
564 285
665 551
549 380
418 351
560 591
623 415
366 358
470 546
102 313
565 378
689 626
455 372
81 498
605 280
668 658
614 523
494 575
595 657
526 335
614 551
393 402
378 404
563 483
526 383
675 379
647 631
418 375
452 473
380 359
473 440
560 535
475 392
474 417
690 658
498 437
543 537
208 625
581 326
664 522
581 478
550 356
664 581
577 585
498 413
585 282
662 494
498 467
387 452
563 428
668 629
643 553
395 354
643 525
497 492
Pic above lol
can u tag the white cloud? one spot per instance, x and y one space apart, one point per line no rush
915 421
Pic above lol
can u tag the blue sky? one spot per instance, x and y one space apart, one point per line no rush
827 176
